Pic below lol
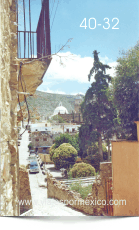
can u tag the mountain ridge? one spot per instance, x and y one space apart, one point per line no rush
45 103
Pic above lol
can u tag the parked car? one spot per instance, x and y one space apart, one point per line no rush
18 143
34 168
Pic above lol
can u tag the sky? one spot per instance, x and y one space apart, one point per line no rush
69 74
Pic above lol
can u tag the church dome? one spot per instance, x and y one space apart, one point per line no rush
60 109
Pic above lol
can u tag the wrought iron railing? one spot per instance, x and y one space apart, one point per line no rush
27 44
35 44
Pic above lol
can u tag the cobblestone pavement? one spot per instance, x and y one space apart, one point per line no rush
42 206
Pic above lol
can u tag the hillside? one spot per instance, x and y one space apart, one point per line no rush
47 102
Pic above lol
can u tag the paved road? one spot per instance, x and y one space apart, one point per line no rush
42 206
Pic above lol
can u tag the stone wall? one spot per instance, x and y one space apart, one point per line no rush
8 105
105 171
25 193
58 190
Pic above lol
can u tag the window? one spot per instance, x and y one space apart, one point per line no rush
36 139
73 130
67 130
44 139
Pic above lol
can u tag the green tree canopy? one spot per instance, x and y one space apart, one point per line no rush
97 108
67 138
57 118
126 91
64 156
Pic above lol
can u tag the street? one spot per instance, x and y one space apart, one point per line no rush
42 206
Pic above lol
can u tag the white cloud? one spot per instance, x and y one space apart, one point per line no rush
75 93
73 67
60 92
52 91
111 71
69 67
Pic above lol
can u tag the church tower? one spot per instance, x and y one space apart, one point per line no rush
77 104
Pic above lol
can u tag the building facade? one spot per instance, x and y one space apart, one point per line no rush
41 139
125 159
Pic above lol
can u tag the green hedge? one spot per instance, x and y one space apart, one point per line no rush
82 170
64 156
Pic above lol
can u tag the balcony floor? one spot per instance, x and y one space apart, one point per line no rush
32 73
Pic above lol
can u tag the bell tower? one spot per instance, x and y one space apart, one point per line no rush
77 104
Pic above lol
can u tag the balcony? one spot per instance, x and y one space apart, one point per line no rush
33 44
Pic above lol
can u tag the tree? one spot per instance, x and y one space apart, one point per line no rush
30 146
93 157
97 108
86 137
67 138
57 119
51 151
64 156
126 92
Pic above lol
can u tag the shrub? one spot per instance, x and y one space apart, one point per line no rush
51 151
94 160
83 190
30 146
57 119
82 170
64 156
